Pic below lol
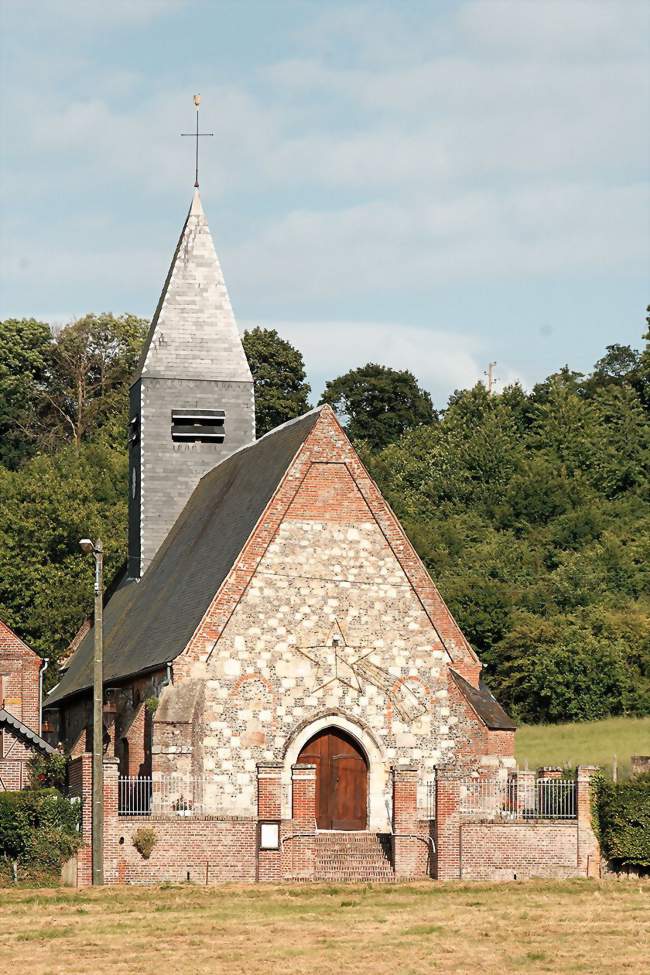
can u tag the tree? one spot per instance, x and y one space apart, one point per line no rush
25 352
279 377
379 404
93 360
45 508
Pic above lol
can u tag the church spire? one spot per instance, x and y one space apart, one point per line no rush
193 333
192 400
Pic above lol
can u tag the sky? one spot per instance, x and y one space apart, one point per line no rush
428 185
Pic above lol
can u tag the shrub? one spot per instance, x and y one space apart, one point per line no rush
144 841
623 818
47 771
38 830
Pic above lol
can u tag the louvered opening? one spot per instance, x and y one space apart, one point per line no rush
198 426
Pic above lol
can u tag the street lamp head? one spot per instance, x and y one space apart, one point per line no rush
86 546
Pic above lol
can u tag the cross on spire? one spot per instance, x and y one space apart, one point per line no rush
196 135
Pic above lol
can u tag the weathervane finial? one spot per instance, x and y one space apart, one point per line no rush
196 135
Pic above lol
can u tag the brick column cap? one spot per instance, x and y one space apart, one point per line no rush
110 760
410 767
587 771
269 767
303 770
544 770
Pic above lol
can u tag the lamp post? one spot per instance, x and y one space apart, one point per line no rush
88 547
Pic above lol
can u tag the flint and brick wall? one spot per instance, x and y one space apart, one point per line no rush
328 559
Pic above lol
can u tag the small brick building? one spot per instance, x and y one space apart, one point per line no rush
20 709
281 671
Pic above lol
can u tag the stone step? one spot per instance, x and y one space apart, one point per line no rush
353 857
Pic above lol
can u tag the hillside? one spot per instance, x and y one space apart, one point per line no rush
584 743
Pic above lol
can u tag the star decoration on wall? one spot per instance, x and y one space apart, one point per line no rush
336 660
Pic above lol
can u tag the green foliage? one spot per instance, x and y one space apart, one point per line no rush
93 361
47 771
151 704
38 829
532 513
45 508
623 818
531 510
144 841
25 352
279 377
378 404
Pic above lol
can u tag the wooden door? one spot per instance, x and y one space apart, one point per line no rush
341 780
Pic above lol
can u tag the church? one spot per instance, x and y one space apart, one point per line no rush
278 663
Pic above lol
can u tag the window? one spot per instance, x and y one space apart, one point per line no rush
198 426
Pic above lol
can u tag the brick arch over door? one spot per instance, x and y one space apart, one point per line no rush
378 769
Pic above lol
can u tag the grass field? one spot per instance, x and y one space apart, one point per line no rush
587 743
572 927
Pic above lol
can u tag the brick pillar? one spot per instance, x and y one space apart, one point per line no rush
269 808
80 781
550 772
111 822
447 832
525 779
405 821
588 846
301 854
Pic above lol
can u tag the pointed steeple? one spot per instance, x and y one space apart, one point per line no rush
192 400
193 334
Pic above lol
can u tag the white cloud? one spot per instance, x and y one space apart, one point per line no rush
557 28
380 247
440 359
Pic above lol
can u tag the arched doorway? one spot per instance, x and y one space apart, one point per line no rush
341 779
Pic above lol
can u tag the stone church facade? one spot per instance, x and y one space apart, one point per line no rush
278 662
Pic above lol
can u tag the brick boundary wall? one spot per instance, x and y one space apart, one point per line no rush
214 849
80 784
411 836
467 849
299 842
269 808
199 850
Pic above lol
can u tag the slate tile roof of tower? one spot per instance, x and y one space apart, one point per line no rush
148 623
193 333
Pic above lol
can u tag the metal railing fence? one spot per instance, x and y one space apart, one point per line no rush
164 795
518 798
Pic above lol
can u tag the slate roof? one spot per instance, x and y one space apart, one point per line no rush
8 719
484 704
194 312
147 623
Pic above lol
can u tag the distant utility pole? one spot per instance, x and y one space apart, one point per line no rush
95 548
490 377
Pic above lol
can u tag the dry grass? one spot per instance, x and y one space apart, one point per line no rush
575 926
